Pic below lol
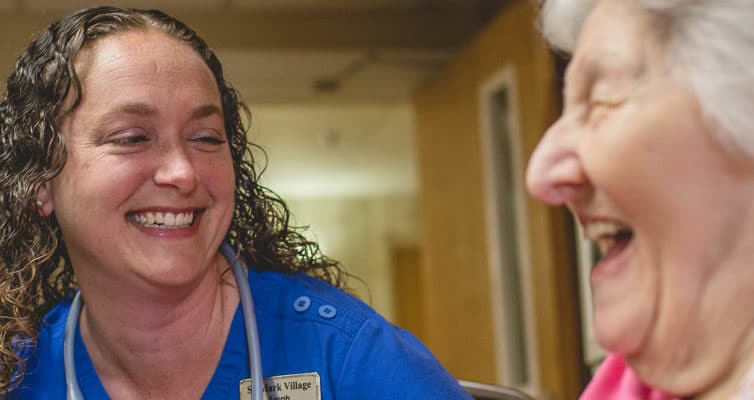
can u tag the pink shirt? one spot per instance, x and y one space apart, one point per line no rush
615 380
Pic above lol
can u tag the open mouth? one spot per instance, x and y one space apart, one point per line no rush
164 219
611 237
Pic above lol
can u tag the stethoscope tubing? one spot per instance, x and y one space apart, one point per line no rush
71 383
250 321
73 392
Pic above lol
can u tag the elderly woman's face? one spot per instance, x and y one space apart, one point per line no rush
147 190
669 207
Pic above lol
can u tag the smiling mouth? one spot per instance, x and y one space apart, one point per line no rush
164 219
611 237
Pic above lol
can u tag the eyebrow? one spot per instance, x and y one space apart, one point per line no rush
205 111
146 110
136 109
139 109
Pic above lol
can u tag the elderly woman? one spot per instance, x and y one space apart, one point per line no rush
124 172
654 157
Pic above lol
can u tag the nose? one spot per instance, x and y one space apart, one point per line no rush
555 174
176 170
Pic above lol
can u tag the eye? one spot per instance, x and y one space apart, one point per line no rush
129 137
604 103
208 139
599 108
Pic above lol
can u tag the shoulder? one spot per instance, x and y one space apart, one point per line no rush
392 363
45 376
52 328
365 355
304 298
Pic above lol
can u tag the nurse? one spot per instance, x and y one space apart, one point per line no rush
124 170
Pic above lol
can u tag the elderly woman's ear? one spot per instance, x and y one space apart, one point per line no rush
44 202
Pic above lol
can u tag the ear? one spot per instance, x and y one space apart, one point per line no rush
44 201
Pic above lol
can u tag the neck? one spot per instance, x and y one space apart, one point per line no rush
707 349
709 354
165 343
739 376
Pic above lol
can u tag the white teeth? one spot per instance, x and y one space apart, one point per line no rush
596 230
605 244
166 220
605 234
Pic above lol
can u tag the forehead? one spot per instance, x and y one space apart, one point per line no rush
146 66
141 58
619 36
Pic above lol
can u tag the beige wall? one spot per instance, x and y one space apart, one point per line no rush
361 233
459 320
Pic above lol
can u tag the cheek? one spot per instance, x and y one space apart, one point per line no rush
87 185
634 160
219 178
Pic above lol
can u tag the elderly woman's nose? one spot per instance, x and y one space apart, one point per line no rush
177 170
555 173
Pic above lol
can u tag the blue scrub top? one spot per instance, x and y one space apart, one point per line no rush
305 325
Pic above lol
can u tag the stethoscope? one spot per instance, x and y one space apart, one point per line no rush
250 322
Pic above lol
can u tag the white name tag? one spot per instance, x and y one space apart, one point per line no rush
286 387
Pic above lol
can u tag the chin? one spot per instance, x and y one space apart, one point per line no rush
172 274
619 336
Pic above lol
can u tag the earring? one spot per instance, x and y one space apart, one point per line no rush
39 203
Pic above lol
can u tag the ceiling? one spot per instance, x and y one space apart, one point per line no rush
329 81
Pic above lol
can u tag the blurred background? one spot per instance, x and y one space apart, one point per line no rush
399 130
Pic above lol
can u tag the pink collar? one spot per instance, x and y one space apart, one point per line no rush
615 380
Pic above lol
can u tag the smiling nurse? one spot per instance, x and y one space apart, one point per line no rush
653 155
125 171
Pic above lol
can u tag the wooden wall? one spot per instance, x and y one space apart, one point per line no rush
458 313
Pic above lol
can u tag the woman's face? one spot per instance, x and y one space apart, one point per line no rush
146 194
670 208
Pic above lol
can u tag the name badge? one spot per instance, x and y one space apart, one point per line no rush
286 387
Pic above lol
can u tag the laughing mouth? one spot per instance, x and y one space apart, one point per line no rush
164 219
610 237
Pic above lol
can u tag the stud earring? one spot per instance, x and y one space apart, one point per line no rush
39 203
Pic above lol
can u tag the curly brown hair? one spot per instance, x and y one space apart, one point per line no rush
35 270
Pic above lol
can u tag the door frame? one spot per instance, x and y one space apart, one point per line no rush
505 78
